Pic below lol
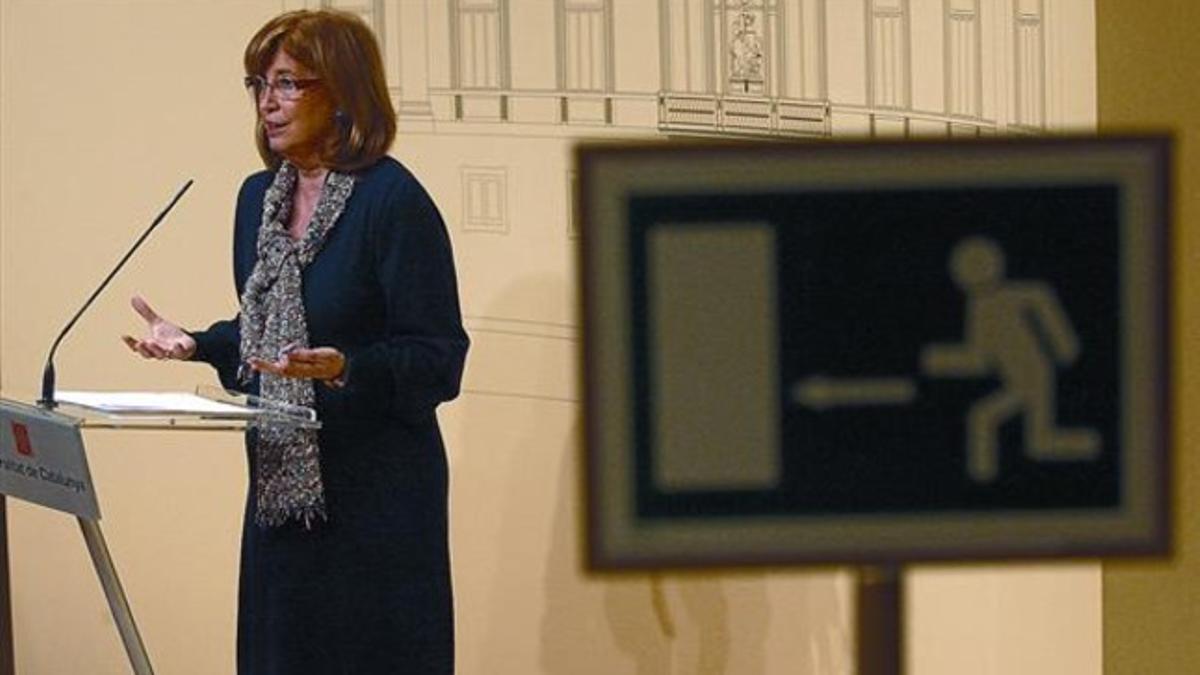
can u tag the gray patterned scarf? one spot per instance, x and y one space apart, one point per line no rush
289 471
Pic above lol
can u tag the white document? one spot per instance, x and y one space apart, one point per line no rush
152 403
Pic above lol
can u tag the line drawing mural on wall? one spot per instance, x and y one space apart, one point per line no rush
549 72
740 67
491 95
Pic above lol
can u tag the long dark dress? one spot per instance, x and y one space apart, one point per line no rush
367 591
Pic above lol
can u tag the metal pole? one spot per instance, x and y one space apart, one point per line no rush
116 597
7 658
880 620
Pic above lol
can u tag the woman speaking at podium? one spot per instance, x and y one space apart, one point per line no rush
349 304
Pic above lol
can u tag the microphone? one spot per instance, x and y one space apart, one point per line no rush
47 400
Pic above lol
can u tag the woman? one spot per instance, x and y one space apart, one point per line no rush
349 304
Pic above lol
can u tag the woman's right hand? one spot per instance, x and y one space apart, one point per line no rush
164 341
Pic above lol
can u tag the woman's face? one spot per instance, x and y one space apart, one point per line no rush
296 129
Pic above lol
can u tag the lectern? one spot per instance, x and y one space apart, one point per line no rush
43 460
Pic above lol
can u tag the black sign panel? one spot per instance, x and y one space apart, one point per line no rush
875 352
866 288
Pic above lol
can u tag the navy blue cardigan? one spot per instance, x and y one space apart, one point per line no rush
368 590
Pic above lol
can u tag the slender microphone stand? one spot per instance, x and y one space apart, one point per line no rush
47 400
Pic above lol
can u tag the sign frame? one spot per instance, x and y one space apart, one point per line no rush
618 537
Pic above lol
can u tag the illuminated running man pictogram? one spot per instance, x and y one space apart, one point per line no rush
1017 331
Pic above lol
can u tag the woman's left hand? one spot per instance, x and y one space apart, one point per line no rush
314 363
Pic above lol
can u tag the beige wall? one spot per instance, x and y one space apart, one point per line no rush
106 106
1146 55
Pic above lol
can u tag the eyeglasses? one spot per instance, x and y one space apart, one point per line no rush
289 88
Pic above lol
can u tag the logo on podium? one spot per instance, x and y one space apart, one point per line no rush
21 439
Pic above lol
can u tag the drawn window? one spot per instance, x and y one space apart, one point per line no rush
482 44
888 49
584 36
746 49
484 199
963 75
1030 63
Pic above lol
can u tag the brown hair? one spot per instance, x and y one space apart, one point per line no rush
340 50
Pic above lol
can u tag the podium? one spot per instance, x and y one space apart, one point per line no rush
43 460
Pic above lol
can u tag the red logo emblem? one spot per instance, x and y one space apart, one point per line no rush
21 436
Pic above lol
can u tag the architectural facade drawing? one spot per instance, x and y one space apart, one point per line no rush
537 75
744 67
491 97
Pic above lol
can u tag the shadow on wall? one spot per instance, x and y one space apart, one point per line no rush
661 624
822 611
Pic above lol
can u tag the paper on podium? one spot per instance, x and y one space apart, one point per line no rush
207 408
152 403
